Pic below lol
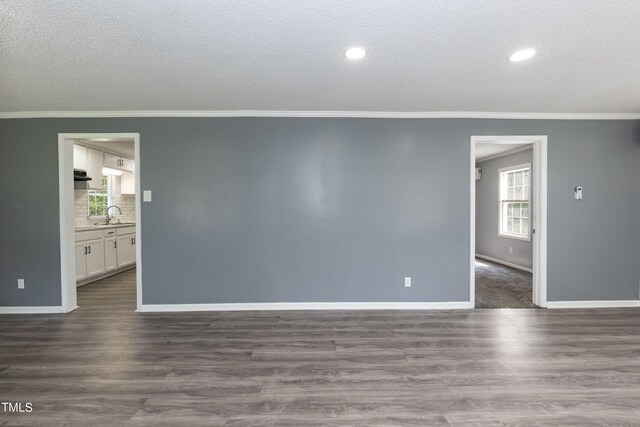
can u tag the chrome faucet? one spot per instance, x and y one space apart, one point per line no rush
108 218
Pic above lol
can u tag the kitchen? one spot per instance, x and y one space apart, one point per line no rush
104 208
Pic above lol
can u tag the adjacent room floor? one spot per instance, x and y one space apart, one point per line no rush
106 364
499 286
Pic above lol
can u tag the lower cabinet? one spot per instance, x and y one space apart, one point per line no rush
104 251
110 254
81 261
89 258
126 250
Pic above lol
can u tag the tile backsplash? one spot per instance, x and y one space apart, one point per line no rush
126 202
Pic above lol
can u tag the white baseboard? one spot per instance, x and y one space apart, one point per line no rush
508 264
593 304
31 310
454 305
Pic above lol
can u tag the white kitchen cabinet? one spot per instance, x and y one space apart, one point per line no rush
126 250
95 163
95 257
79 157
120 163
110 254
128 183
101 252
128 164
90 257
81 261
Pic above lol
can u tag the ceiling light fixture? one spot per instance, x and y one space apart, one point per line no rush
355 53
109 171
522 55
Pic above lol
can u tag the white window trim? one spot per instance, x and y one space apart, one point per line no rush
500 172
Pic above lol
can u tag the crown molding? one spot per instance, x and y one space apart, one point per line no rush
346 114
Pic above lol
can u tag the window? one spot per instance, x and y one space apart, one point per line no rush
99 200
514 202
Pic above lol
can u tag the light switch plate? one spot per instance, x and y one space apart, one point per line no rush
20 283
146 196
407 282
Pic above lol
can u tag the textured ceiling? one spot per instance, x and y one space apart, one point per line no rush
124 147
441 55
484 151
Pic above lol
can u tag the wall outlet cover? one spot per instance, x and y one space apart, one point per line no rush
407 282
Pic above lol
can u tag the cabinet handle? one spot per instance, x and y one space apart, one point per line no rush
85 250
89 249
115 245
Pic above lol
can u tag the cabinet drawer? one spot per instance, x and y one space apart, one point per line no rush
125 230
110 232
81 236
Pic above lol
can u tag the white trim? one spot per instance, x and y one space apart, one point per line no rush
67 227
138 203
539 222
67 218
507 263
504 154
538 218
364 114
33 310
454 305
472 227
593 304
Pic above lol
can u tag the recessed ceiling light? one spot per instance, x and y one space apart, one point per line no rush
355 53
521 55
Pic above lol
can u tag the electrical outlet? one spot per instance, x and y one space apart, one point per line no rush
511 250
407 282
20 283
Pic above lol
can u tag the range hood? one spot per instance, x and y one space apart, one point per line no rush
80 175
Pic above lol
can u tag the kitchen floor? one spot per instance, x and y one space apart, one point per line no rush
499 286
116 293
105 364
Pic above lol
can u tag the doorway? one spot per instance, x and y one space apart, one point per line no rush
100 223
508 221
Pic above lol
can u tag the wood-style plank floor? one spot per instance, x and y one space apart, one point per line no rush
500 286
104 364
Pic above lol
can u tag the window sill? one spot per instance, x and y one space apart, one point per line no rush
514 237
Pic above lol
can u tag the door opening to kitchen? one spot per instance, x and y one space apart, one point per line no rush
99 211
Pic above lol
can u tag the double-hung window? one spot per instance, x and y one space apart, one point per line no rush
515 200
99 200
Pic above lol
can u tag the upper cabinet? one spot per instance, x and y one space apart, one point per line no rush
79 157
92 161
95 162
127 183
120 163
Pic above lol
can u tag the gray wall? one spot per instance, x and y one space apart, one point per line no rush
488 240
290 209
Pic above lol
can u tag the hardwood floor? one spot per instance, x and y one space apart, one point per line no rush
104 364
499 286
